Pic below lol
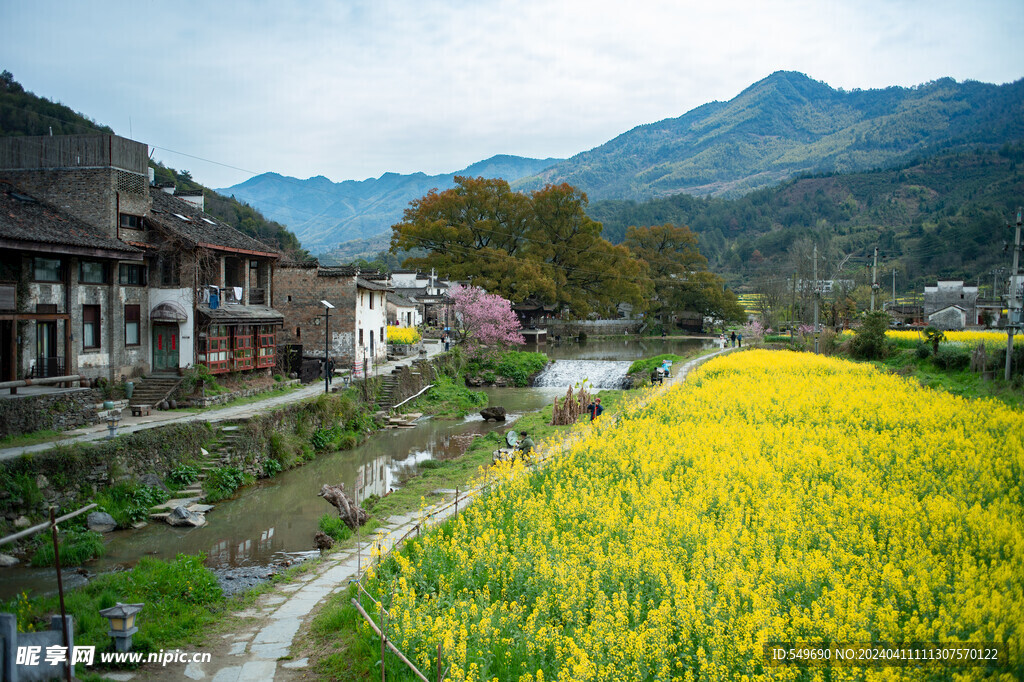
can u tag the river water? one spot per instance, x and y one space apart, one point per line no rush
276 519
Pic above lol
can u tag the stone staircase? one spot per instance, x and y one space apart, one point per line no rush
154 389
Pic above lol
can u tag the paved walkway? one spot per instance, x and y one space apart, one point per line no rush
130 424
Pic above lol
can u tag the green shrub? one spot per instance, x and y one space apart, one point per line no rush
76 547
922 351
431 464
650 364
519 366
869 341
323 438
222 482
183 476
271 467
952 356
335 527
130 502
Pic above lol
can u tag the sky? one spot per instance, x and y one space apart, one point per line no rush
351 90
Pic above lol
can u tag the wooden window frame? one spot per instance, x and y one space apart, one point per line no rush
132 310
266 353
88 317
60 270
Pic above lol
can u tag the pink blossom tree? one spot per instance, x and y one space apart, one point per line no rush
485 319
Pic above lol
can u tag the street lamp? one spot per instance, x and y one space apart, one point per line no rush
122 624
327 344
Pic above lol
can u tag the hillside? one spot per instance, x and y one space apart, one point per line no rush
944 216
24 113
325 214
786 125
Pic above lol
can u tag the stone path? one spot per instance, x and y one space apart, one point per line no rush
130 424
256 654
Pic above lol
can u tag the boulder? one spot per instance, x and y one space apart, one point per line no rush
153 481
180 516
6 560
493 413
101 522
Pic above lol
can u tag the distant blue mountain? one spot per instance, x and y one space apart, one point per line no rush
323 214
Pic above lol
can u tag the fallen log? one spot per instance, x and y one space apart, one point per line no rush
351 513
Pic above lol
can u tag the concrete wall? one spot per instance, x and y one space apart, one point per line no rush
371 320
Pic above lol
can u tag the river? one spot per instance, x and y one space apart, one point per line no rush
275 519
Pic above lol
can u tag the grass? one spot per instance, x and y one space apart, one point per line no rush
650 364
448 400
34 438
181 600
961 382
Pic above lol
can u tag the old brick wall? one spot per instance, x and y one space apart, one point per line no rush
55 412
297 295
89 194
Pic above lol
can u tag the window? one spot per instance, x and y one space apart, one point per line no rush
132 316
132 274
90 326
168 272
131 222
360 337
371 300
267 353
92 272
46 269
213 351
243 356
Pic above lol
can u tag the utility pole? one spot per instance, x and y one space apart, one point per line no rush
792 308
874 280
894 287
817 290
1012 299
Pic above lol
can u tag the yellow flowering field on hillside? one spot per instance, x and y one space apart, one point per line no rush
776 496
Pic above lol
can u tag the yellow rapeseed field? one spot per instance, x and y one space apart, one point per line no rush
403 335
777 496
994 339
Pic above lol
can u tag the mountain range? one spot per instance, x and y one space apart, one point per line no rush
781 127
324 214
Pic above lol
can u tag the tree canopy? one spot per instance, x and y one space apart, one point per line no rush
520 246
679 276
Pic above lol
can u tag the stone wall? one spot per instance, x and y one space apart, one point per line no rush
55 412
591 327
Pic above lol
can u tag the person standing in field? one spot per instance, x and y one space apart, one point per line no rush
595 409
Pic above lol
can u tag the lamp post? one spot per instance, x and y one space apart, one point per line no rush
122 624
327 345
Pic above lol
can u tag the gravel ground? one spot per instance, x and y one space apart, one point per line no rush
241 578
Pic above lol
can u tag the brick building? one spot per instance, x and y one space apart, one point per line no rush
358 326
145 291
66 305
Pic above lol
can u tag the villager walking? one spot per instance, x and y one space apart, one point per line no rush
595 409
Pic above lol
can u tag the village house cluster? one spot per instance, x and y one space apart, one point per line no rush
106 275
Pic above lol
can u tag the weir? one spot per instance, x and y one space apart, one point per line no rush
609 374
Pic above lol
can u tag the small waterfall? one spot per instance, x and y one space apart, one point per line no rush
598 373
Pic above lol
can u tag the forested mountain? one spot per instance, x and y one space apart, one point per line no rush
324 214
944 216
788 124
24 113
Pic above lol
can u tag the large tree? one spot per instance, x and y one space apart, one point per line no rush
520 246
679 274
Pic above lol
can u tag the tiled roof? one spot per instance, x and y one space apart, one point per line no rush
240 314
399 300
186 221
24 219
374 286
337 271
